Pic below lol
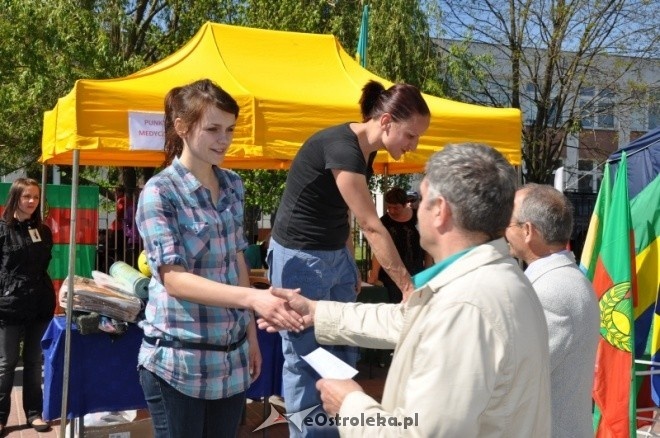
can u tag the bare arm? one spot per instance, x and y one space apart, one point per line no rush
354 190
190 287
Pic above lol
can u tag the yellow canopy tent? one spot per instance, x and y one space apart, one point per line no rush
288 85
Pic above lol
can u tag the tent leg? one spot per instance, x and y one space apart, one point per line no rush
69 297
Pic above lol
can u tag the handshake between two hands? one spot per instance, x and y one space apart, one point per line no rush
284 309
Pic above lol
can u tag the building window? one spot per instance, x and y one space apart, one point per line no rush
638 111
588 91
597 110
606 115
586 116
589 176
586 96
605 108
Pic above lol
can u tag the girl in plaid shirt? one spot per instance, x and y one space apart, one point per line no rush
200 349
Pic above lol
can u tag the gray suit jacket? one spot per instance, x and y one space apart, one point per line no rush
571 311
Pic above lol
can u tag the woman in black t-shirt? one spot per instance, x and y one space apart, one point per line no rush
310 239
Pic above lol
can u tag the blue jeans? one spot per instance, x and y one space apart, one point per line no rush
321 275
176 415
10 340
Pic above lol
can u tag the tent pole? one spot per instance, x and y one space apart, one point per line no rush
69 297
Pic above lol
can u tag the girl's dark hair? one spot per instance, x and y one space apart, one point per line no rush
188 103
14 198
402 101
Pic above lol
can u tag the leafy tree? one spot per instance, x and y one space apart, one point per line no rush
340 18
263 191
46 45
142 32
36 70
544 55
400 46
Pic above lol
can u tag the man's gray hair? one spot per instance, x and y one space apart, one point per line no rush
549 210
478 183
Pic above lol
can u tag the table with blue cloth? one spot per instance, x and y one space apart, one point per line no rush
103 371
269 381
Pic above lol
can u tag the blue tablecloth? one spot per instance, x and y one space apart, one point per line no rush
103 374
103 371
270 380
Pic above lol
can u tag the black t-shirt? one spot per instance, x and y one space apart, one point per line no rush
312 213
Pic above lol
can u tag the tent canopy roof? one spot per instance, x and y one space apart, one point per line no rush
643 156
288 85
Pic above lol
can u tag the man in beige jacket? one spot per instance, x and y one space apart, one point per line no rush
471 356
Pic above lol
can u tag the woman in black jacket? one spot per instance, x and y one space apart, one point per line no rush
27 297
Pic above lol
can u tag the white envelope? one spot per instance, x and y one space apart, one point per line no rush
328 365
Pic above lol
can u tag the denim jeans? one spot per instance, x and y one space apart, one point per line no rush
176 415
10 341
321 275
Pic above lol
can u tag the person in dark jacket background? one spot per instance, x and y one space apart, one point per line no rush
27 297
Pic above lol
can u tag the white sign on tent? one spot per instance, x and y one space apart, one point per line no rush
146 131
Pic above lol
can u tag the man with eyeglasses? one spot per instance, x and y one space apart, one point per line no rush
538 234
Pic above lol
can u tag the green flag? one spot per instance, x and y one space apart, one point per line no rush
361 54
614 282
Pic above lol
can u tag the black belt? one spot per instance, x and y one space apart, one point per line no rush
175 343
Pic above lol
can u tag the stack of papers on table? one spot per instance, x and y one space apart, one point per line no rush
89 296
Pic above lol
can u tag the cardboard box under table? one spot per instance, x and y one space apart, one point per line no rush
135 429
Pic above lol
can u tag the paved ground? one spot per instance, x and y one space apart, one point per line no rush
372 380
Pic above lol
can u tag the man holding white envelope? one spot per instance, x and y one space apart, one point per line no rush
471 357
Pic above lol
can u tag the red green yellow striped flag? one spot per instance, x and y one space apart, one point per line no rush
594 237
610 264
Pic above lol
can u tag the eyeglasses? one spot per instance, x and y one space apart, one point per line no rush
517 224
